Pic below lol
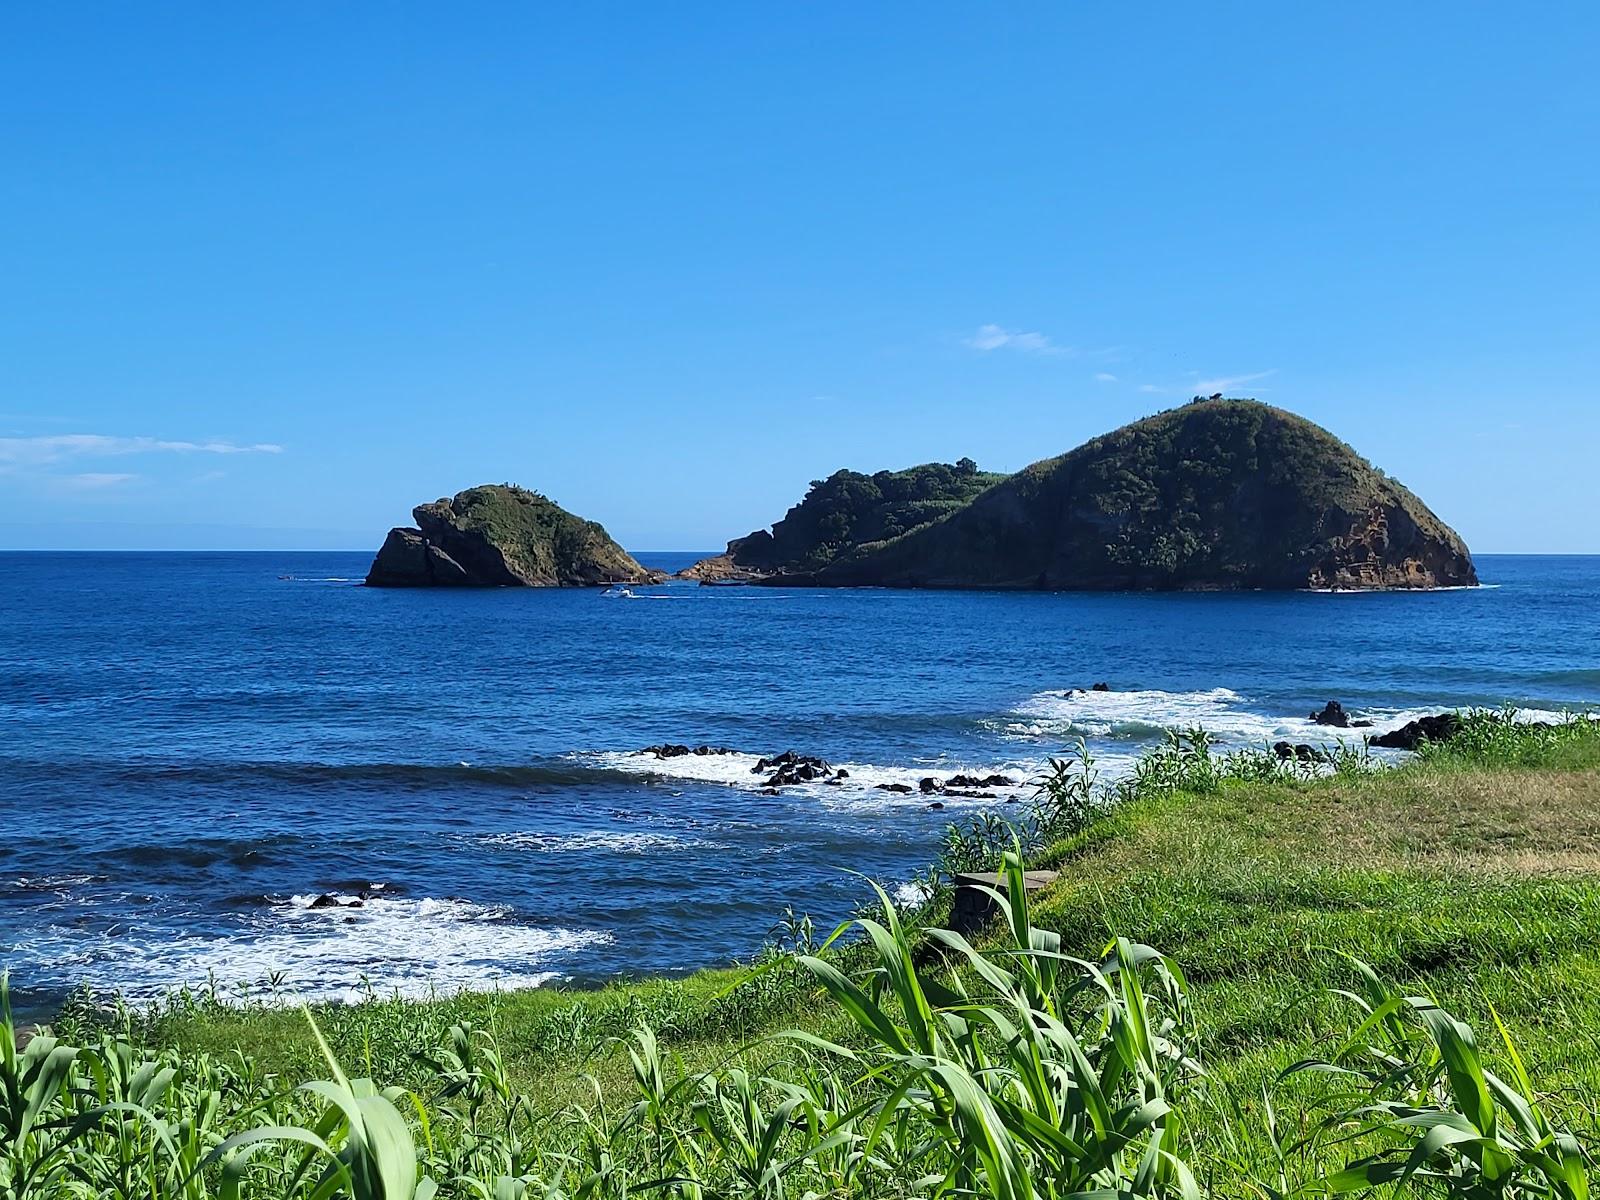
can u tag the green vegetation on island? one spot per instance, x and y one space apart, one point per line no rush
1253 977
500 535
848 511
1217 494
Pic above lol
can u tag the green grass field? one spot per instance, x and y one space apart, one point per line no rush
918 1066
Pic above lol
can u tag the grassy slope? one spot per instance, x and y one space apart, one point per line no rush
538 537
1477 881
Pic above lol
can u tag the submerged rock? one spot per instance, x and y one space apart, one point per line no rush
329 900
980 781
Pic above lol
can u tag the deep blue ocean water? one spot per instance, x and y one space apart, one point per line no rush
192 746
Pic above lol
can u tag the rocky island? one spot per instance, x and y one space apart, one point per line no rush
500 535
1219 494
843 513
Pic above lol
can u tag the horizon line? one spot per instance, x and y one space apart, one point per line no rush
706 551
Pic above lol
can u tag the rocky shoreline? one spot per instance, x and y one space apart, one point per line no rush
790 768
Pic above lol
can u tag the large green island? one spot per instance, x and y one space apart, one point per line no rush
1217 495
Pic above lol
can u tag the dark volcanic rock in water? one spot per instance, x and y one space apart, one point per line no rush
498 535
790 768
1332 713
1216 495
679 750
980 781
1438 728
1303 752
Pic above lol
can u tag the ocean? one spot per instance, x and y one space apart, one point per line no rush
194 747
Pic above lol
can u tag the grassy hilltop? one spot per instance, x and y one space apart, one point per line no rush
1467 881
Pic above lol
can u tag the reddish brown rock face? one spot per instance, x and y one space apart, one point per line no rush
721 568
1387 549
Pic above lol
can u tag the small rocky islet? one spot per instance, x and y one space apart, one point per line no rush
501 535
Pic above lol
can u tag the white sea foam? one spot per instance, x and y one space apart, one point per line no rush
1143 714
414 947
613 841
860 788
53 883
909 894
1454 587
1139 716
1120 726
735 770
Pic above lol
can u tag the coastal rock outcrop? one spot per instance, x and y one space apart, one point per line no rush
721 570
1333 713
790 768
499 535
1216 495
1436 728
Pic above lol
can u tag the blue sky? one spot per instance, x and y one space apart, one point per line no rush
275 273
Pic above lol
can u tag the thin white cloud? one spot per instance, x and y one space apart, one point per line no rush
997 337
93 481
1204 387
1226 383
1105 377
41 451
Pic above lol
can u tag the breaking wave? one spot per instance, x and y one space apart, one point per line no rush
292 951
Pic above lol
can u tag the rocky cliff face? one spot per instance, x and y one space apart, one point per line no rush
1218 494
498 535
721 569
